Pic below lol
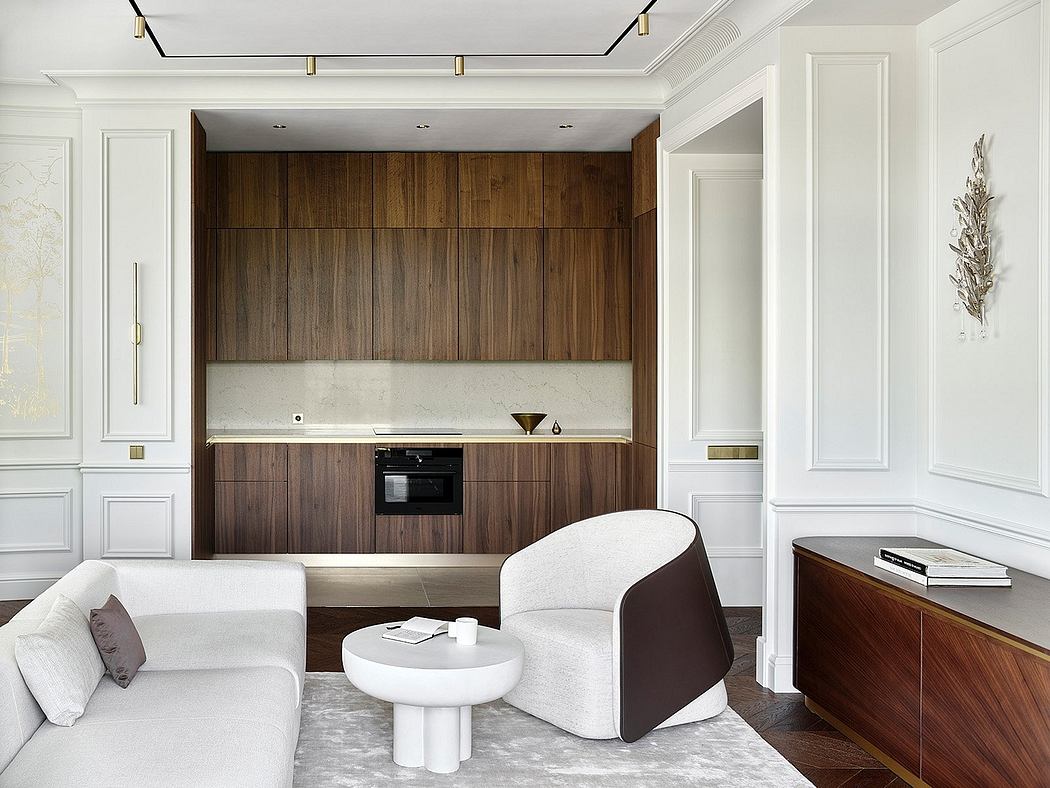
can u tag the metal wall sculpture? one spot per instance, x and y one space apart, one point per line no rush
974 275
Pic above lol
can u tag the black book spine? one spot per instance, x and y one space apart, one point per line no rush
899 560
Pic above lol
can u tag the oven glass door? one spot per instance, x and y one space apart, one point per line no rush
413 490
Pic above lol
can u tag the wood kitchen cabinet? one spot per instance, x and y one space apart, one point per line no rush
501 295
643 476
504 517
506 462
415 190
251 295
415 295
586 190
248 190
332 190
331 498
644 329
500 190
587 479
251 498
329 294
419 534
587 295
643 169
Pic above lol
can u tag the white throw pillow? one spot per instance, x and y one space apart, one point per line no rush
60 662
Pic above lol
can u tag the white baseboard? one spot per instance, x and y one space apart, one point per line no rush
26 586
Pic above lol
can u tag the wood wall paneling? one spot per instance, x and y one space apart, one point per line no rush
416 190
504 517
251 517
500 190
251 462
587 304
643 476
587 479
415 295
644 329
330 190
329 294
501 294
643 169
248 190
857 654
331 493
506 462
985 710
586 190
419 534
251 295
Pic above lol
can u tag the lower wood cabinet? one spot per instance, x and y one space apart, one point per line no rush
331 498
506 462
504 517
587 479
643 476
419 534
251 517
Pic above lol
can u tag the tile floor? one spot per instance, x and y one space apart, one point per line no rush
402 586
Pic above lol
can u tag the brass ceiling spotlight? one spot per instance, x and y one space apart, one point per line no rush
140 27
311 66
459 66
643 24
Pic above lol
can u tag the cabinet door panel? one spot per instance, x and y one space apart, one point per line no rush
331 493
248 190
251 310
251 517
415 295
643 476
500 190
587 294
506 462
586 190
504 517
587 479
501 295
643 169
329 190
251 462
643 328
329 294
416 190
419 534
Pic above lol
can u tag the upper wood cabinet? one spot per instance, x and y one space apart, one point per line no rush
415 295
500 190
643 169
587 304
586 190
501 294
248 189
643 328
251 294
416 190
331 497
329 294
329 190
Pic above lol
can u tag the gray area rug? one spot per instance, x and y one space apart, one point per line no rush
345 740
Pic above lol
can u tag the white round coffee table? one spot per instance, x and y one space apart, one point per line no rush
432 685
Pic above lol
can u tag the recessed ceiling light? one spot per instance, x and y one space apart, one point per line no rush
422 125
279 126
565 126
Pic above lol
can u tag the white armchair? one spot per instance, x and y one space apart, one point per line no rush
622 626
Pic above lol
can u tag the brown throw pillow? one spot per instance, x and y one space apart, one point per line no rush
118 641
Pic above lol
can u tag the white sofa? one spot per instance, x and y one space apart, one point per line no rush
217 702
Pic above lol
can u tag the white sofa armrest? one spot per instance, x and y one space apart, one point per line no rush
151 587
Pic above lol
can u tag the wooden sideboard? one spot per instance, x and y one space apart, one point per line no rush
946 686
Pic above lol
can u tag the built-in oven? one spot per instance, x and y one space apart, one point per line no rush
419 481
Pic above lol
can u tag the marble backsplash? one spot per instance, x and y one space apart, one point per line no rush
463 395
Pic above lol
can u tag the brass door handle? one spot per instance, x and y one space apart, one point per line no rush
136 338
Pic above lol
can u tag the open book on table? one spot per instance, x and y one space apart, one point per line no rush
416 630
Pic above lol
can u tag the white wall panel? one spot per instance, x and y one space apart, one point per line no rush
137 526
729 520
142 513
36 521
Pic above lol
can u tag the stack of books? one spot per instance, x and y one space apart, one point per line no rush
941 567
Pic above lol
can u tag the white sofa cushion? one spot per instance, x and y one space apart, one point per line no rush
171 728
60 662
245 638
567 678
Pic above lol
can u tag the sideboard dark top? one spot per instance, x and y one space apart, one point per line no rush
1021 612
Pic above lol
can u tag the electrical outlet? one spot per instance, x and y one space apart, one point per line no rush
297 419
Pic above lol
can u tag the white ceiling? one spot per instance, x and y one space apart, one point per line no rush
868 12
739 133
450 129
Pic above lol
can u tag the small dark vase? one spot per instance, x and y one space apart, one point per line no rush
556 429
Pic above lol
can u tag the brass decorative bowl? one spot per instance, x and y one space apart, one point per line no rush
529 421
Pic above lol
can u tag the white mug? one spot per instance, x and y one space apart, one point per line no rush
464 630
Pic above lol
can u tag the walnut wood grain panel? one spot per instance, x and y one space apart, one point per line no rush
419 534
251 462
251 517
501 294
331 493
500 190
415 190
586 190
643 328
587 479
643 476
329 294
248 190
415 295
329 190
587 294
985 709
857 655
251 301
504 517
506 462
643 169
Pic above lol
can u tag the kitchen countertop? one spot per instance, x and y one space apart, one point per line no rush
365 435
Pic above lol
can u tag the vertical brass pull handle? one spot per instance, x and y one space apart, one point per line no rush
136 338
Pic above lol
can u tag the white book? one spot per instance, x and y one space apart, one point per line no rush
941 562
416 630
925 580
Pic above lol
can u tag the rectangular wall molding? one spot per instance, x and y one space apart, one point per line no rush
137 526
847 263
713 540
28 515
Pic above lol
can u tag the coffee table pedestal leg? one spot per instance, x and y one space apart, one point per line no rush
437 738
